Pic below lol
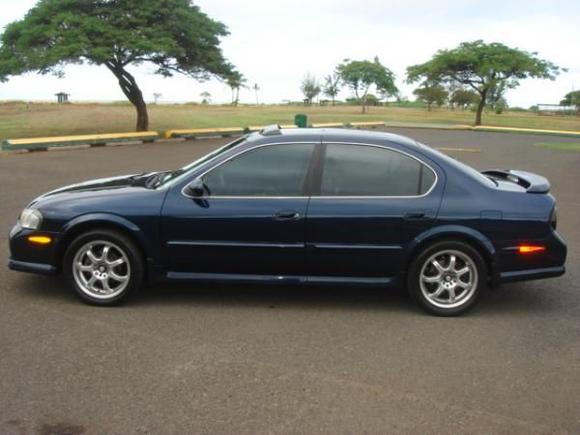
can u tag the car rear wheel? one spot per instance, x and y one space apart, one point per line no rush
447 278
103 267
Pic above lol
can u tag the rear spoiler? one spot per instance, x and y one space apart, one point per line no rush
533 183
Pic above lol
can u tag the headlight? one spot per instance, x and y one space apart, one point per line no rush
30 218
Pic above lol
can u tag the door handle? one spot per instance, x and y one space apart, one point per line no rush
414 215
287 215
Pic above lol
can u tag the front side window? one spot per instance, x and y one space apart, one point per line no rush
359 170
275 170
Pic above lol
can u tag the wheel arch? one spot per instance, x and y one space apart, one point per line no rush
94 221
468 235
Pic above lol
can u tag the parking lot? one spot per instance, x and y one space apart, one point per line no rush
244 359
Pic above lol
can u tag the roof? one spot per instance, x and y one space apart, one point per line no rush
275 133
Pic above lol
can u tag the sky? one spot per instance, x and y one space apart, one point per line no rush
275 43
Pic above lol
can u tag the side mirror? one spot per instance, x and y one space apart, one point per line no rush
196 188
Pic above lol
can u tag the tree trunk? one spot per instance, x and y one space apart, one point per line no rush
142 115
480 107
364 105
132 92
237 99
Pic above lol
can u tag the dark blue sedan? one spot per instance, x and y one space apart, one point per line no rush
300 206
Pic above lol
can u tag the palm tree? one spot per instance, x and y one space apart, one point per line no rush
256 89
236 81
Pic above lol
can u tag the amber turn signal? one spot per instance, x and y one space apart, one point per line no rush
530 249
39 240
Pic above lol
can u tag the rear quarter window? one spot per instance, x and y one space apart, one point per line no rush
362 170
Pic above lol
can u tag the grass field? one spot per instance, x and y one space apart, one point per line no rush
19 120
564 146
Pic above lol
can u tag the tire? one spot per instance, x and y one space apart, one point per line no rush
103 267
447 278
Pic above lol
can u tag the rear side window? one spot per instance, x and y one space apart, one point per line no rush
275 170
359 170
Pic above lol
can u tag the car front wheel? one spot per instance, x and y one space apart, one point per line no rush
447 278
103 267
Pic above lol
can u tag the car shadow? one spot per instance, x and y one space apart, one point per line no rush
509 299
275 296
312 297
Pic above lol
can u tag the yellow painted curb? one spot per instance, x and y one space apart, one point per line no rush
43 143
525 130
80 138
367 124
202 131
328 125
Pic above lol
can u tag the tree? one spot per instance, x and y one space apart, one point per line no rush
235 81
432 94
174 35
206 97
572 99
331 86
360 75
463 98
481 67
256 90
310 88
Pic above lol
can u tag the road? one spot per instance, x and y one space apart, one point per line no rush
243 359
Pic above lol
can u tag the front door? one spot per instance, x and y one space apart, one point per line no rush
372 202
251 221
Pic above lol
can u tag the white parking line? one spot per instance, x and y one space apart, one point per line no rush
463 150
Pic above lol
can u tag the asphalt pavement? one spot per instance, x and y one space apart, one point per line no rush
254 359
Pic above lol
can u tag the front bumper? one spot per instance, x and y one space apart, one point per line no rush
28 257
23 266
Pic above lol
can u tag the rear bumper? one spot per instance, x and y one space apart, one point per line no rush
526 275
523 267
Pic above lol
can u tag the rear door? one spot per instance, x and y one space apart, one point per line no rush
370 204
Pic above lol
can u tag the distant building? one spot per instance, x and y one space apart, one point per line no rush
552 109
62 97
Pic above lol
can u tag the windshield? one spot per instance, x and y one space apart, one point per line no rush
162 178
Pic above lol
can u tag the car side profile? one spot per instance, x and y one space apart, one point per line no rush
300 206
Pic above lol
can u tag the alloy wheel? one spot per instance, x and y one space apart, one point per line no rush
448 279
101 269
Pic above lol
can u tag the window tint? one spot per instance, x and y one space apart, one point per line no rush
276 170
357 170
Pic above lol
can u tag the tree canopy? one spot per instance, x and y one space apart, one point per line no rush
361 75
463 98
331 86
310 87
174 35
432 94
482 67
572 99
